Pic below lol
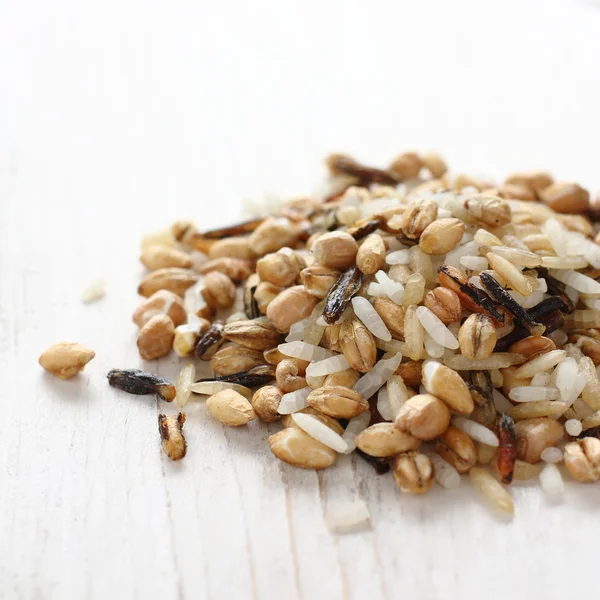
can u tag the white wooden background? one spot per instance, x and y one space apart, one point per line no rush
119 116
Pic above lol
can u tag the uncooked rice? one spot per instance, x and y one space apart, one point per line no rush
320 431
445 474
294 401
551 480
94 292
350 517
371 320
552 455
545 282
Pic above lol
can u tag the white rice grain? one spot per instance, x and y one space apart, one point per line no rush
355 426
397 394
578 281
364 311
527 301
541 380
94 292
370 382
551 455
573 427
592 303
436 329
476 281
313 332
591 390
564 262
445 474
433 349
566 373
510 273
512 241
551 480
320 431
393 289
474 263
383 405
518 256
399 257
556 234
578 244
183 384
208 388
304 351
414 290
454 257
193 301
540 363
484 482
294 401
421 263
376 290
485 238
333 364
349 517
533 394
297 331
476 431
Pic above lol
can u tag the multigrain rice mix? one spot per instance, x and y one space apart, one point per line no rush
435 325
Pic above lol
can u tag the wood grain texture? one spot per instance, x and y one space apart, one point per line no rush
117 118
